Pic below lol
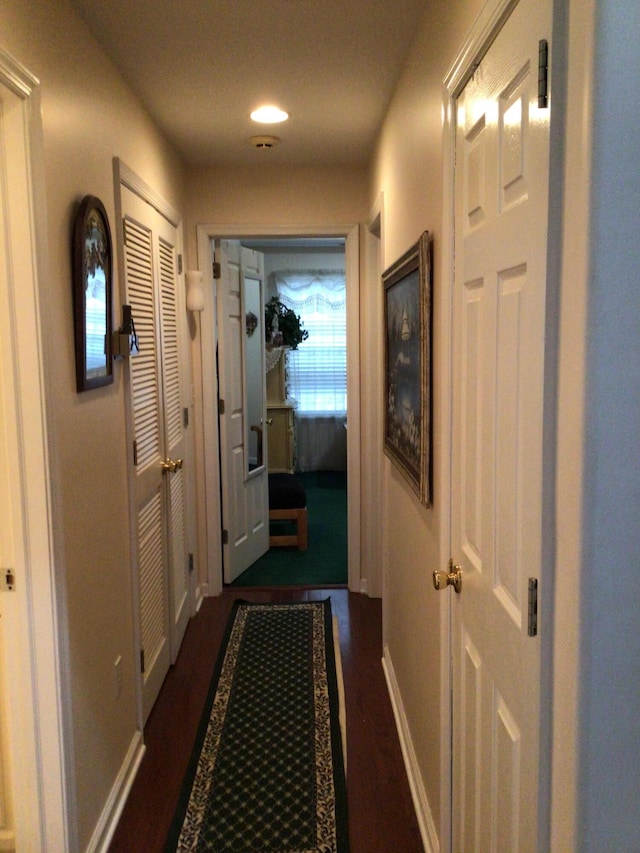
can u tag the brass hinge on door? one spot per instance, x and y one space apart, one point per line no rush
216 270
543 74
220 406
190 562
225 537
179 264
135 452
532 615
142 661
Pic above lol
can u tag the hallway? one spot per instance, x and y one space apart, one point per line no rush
381 813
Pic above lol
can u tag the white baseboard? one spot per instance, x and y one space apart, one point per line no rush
420 801
106 826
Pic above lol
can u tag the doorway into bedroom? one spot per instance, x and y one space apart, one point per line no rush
305 430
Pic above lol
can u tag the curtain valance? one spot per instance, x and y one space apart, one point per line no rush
313 290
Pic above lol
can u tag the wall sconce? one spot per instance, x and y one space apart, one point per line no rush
125 340
195 293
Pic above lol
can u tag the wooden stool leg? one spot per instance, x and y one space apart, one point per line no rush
302 530
300 538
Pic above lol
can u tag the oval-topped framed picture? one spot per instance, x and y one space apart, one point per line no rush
92 295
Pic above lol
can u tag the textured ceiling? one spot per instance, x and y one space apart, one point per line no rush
201 66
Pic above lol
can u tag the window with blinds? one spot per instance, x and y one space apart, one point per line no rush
317 369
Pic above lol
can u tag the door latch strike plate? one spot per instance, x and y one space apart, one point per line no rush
7 580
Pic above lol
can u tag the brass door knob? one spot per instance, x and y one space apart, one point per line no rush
453 578
170 466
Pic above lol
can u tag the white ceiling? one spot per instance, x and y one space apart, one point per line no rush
201 66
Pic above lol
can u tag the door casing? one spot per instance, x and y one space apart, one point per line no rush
211 438
34 619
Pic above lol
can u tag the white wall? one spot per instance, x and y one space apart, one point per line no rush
608 744
408 172
264 197
89 116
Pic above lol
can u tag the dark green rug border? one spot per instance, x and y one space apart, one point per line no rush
339 780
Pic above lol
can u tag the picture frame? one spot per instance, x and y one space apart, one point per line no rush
92 295
407 370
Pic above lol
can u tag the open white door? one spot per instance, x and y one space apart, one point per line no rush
242 390
158 476
502 153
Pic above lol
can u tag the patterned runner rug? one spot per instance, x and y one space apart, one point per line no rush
267 771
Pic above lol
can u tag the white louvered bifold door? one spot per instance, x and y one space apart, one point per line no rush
158 434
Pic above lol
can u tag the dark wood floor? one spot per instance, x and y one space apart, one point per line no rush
381 813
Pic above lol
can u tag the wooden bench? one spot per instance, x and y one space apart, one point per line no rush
288 502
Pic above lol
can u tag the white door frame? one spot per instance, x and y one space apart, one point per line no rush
486 27
34 616
372 402
205 234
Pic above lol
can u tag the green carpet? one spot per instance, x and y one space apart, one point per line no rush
267 773
325 561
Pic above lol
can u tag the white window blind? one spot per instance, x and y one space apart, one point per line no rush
317 369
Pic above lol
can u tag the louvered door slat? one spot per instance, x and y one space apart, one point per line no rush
152 580
170 360
144 379
178 538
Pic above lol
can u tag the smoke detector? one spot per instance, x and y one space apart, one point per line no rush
264 141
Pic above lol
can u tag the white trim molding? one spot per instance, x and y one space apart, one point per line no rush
209 426
106 826
426 823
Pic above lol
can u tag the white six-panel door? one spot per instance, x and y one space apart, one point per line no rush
501 190
245 494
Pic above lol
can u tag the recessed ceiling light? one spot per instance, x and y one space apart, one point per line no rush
269 115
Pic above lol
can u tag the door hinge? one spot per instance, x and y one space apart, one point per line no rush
220 406
543 73
185 417
180 264
190 562
216 270
135 452
532 620
142 661
225 537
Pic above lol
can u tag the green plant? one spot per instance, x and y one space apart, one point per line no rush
289 325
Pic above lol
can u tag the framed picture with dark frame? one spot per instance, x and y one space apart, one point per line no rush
407 323
92 295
